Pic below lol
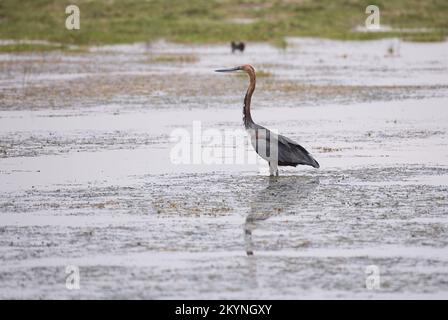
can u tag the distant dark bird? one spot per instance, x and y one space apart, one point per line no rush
274 148
237 46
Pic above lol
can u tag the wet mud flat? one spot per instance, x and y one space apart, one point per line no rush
86 177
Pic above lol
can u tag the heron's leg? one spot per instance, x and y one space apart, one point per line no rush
273 168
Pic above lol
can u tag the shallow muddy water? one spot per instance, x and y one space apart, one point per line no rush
87 178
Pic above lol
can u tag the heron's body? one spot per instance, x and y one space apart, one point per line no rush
276 149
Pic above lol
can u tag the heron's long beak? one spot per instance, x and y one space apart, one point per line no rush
228 70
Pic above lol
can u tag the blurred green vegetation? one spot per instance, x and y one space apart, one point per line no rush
208 21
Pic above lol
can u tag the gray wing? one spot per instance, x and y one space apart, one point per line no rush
290 153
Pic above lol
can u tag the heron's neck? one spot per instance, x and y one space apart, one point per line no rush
247 118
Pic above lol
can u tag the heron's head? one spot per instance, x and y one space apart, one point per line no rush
246 68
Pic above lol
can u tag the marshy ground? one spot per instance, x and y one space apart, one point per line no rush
86 177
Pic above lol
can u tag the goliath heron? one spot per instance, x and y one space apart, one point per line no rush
274 148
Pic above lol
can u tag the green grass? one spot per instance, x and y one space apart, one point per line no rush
173 58
210 21
27 47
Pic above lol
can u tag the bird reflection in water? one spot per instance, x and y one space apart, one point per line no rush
280 194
